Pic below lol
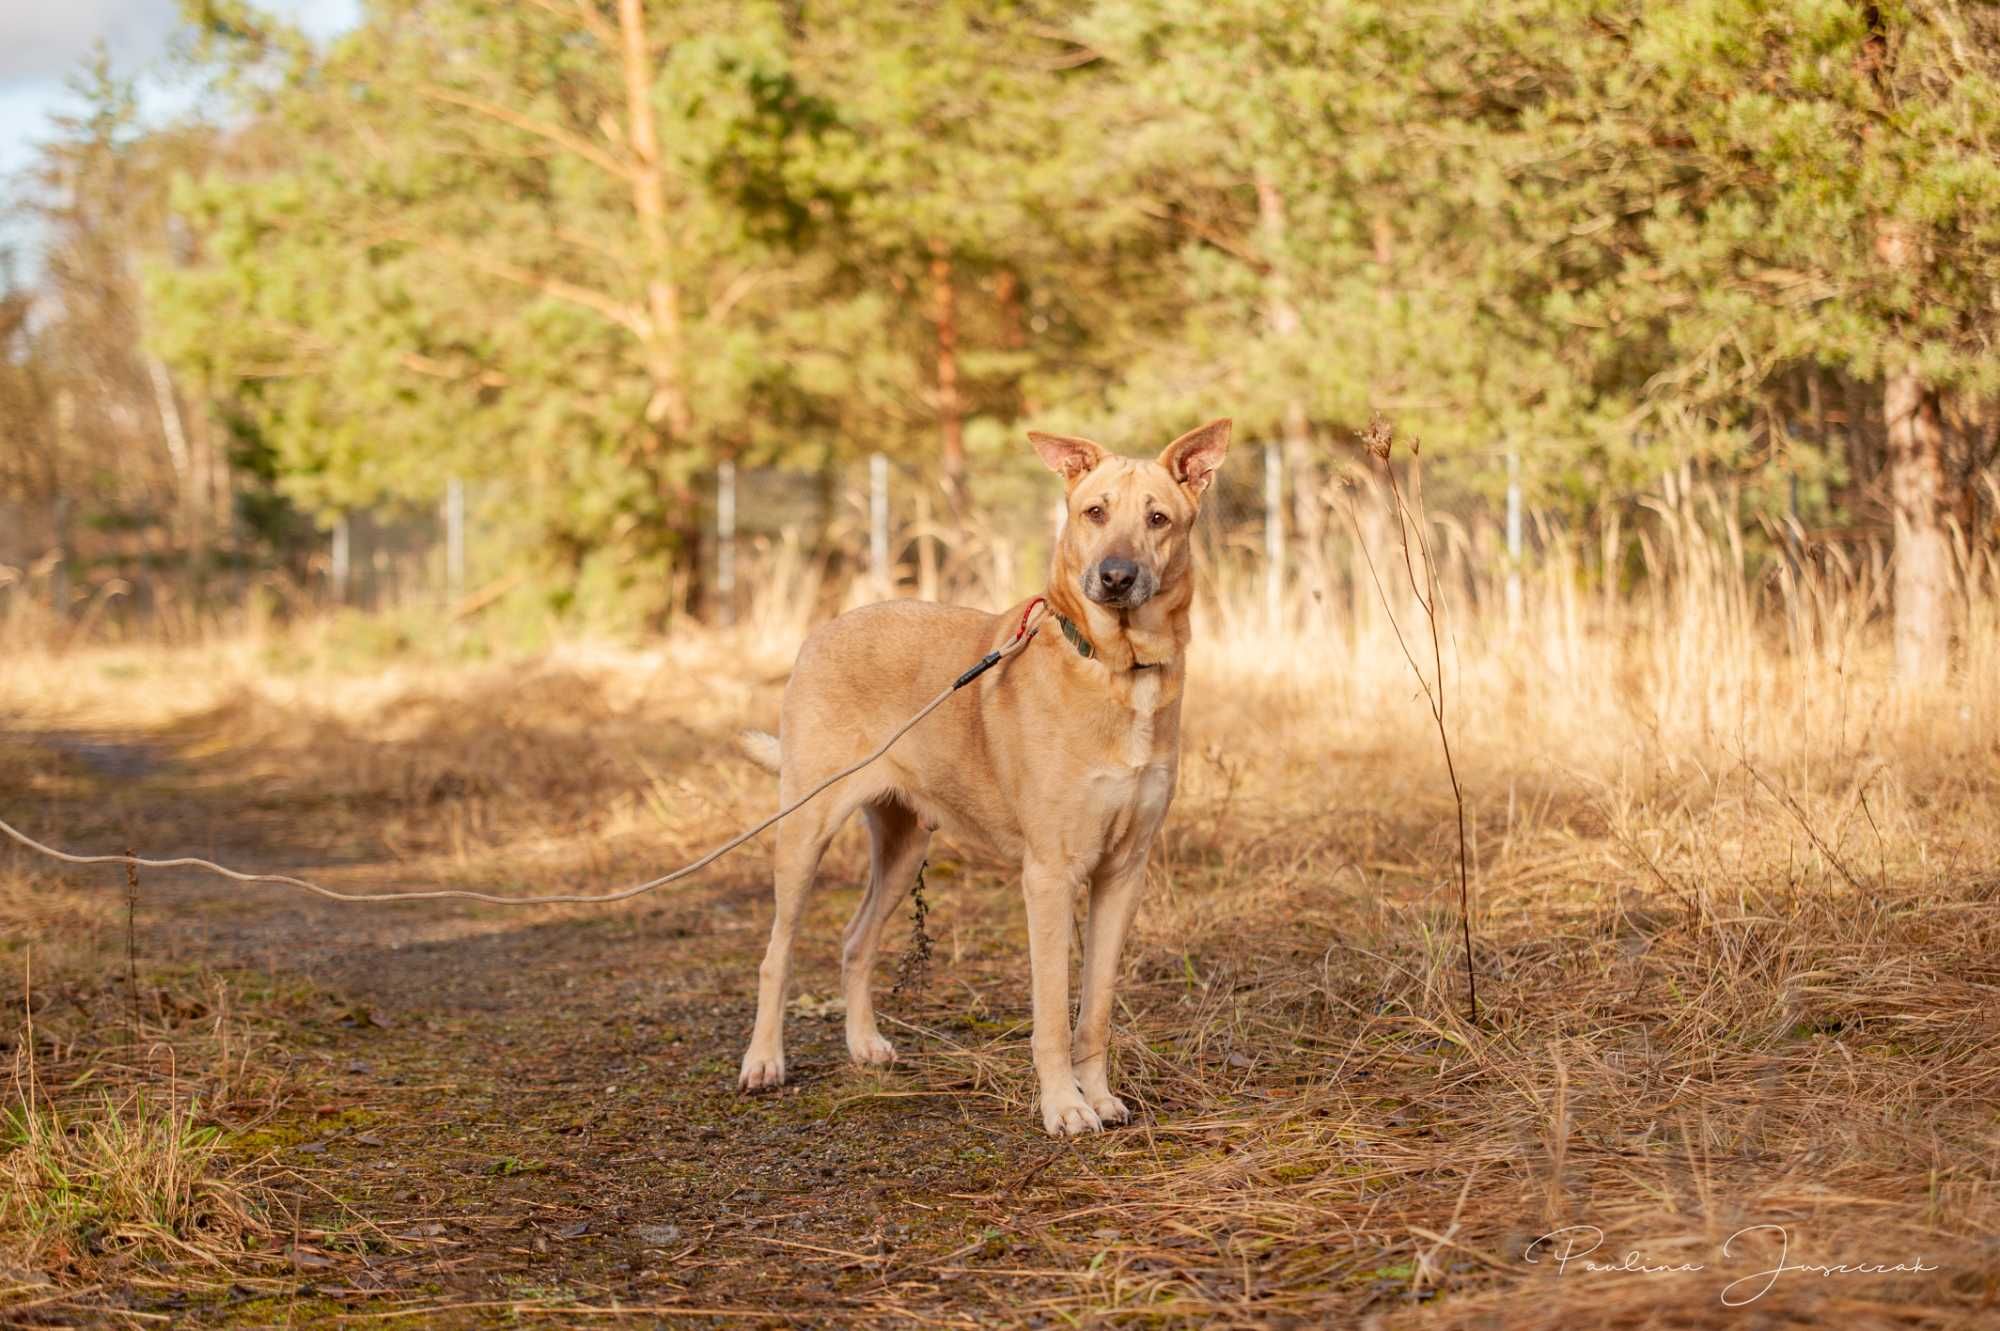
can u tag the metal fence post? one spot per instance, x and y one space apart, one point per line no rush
725 539
878 519
342 554
59 575
454 539
1274 533
1513 539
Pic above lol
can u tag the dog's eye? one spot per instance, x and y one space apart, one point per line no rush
1095 512
1156 519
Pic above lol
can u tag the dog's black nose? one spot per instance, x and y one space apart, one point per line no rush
1116 576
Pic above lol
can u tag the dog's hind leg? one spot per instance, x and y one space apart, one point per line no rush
802 839
897 840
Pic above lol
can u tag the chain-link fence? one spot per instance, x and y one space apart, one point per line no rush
812 541
876 529
869 529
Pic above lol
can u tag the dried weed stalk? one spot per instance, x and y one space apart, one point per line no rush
1377 438
913 968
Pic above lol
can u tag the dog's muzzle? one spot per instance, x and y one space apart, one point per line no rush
1119 583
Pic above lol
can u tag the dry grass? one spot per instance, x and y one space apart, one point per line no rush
123 1174
1734 894
127 1130
131 1091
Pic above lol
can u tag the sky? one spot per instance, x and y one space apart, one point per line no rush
42 42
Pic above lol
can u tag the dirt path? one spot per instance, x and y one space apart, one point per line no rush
521 1108
1693 1023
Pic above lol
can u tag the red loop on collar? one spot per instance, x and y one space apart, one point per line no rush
1026 613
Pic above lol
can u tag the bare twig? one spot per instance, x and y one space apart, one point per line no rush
626 316
561 136
1377 438
132 936
1791 806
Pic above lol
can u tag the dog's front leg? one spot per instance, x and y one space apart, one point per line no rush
1051 894
1114 897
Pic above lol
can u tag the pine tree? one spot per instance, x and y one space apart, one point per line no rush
1838 203
503 245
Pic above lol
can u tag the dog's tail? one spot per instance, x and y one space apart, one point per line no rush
760 747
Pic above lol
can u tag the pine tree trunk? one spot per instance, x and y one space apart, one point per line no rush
1281 316
669 419
1013 328
667 410
1923 575
951 410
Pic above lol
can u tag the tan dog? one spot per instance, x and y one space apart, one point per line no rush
1064 756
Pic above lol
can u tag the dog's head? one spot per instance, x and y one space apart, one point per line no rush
1130 518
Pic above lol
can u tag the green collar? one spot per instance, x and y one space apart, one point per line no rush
1076 638
1082 644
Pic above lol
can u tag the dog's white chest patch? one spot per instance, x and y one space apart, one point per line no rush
1133 791
1145 711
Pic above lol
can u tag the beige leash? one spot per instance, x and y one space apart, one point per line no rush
1030 621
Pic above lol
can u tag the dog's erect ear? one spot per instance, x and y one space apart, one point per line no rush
1068 457
1193 458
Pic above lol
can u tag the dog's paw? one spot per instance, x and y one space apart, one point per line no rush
871 1050
1071 1117
761 1072
1110 1109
